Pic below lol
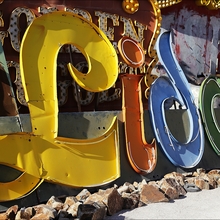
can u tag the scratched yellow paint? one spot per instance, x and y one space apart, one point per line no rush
41 154
21 186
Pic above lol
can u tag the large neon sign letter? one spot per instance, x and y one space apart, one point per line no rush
41 155
175 87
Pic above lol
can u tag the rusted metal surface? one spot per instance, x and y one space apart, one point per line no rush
196 38
8 105
109 16
195 35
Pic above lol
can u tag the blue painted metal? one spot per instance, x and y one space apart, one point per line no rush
175 87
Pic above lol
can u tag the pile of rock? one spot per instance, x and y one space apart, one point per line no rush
100 204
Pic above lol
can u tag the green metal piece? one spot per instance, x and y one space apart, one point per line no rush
9 117
209 92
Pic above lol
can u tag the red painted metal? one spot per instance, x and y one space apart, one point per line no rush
142 156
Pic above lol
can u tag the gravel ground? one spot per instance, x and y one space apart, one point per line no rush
195 205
